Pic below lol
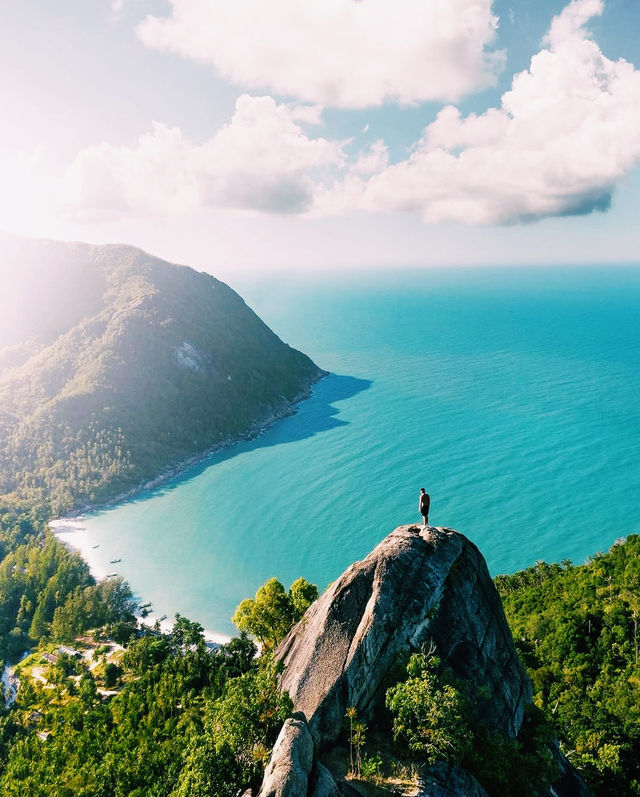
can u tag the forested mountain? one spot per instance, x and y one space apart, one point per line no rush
115 365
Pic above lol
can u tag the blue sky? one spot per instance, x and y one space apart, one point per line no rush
238 134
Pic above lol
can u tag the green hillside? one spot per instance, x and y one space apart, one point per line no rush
115 366
576 630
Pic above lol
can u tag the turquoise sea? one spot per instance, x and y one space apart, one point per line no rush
512 395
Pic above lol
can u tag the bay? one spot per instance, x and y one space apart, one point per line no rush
512 395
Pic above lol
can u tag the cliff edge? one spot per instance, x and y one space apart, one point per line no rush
419 586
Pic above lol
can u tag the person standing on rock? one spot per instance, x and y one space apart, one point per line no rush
424 502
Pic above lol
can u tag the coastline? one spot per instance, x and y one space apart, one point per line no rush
255 430
69 530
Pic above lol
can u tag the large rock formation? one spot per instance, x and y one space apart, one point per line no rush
291 760
420 584
447 780
292 770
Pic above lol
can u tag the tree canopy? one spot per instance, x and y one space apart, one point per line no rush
273 611
576 629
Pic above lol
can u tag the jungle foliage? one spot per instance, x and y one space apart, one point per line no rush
186 720
576 630
435 718
273 611
47 591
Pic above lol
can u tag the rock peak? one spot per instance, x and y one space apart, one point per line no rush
418 585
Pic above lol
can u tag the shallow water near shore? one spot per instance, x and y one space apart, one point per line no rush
511 395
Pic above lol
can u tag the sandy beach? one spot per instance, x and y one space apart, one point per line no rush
71 531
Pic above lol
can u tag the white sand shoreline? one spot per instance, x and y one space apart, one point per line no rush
69 531
255 430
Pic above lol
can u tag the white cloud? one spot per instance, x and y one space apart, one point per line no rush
261 160
563 137
373 159
565 134
343 53
572 20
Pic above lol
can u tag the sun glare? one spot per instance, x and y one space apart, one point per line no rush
26 196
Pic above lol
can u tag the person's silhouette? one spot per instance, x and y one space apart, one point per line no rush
424 502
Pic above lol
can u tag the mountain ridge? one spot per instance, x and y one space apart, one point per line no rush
151 366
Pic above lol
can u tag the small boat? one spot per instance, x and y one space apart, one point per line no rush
97 546
115 561
111 575
145 605
164 617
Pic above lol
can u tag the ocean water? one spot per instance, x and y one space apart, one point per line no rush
512 395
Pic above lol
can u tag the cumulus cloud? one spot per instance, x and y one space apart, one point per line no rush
564 135
261 160
562 138
342 53
373 159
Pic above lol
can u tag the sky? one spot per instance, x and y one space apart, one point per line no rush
236 135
